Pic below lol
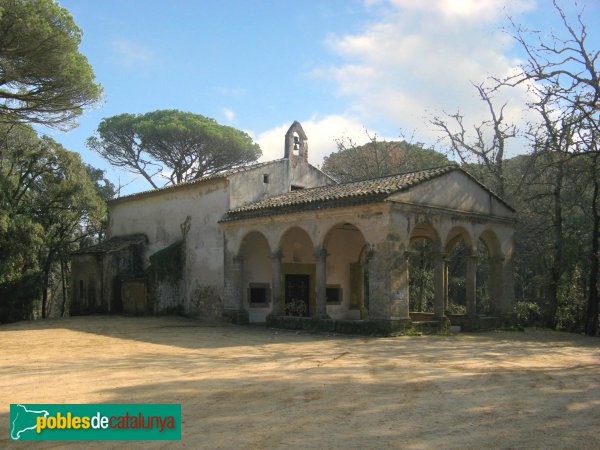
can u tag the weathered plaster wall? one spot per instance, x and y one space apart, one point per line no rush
249 186
160 217
454 191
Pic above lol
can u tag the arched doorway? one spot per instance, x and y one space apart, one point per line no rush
298 269
425 273
256 276
459 253
345 272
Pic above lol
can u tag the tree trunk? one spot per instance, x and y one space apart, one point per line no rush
45 283
591 323
64 288
556 267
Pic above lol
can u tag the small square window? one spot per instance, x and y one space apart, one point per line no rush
258 295
266 178
333 293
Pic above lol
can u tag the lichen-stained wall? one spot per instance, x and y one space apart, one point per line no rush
160 216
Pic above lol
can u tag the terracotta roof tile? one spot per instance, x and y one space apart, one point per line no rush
114 244
357 192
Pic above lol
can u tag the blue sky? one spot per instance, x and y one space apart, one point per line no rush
336 66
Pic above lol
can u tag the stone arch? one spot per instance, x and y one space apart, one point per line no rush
296 245
255 258
426 272
298 272
458 266
425 230
491 241
455 234
345 245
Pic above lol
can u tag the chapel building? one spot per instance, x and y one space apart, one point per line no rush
282 242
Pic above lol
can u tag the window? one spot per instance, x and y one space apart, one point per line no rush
333 293
296 188
266 178
258 295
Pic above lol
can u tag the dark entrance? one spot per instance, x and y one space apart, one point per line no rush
297 295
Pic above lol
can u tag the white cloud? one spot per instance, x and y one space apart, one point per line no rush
419 59
229 114
321 133
131 53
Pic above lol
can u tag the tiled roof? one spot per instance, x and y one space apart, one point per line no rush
114 244
214 176
346 194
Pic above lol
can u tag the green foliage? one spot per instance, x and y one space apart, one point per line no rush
48 204
44 79
187 145
528 313
572 301
379 158
421 286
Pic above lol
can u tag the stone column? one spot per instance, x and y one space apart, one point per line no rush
495 284
277 308
399 307
471 285
508 288
234 299
446 263
438 278
321 275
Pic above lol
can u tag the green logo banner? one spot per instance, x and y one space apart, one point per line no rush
38 422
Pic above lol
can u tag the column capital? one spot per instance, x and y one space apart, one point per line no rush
277 255
369 253
238 259
320 252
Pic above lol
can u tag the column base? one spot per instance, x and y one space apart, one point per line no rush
237 316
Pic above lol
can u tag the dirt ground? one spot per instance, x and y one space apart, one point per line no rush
252 387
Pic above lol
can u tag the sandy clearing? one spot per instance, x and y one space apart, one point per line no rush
252 387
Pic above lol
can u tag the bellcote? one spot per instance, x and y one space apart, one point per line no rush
296 143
